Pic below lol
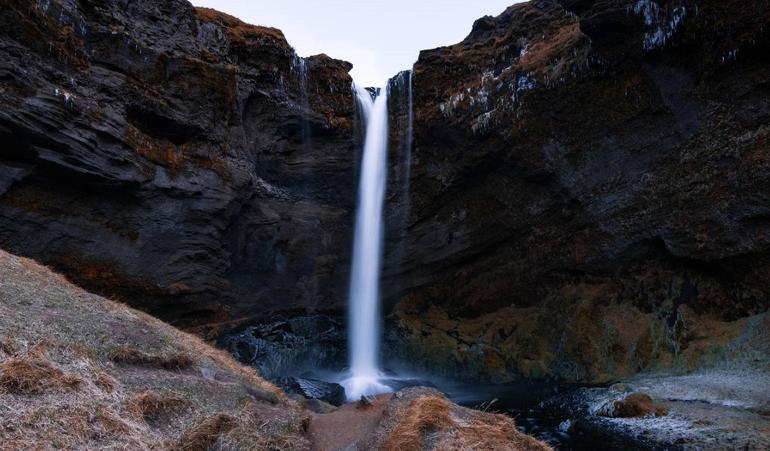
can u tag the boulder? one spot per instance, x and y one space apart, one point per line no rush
634 405
328 392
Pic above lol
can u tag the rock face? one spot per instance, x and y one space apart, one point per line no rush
328 392
704 410
289 347
174 157
584 194
589 193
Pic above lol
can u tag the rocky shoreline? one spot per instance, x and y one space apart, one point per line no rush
718 409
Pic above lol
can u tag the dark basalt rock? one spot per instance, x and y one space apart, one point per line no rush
291 346
175 158
585 196
711 409
589 194
329 392
397 383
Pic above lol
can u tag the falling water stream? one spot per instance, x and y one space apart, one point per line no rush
364 319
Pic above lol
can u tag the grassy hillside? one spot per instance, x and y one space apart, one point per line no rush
78 371
81 371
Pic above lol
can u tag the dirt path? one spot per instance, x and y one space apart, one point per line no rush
347 425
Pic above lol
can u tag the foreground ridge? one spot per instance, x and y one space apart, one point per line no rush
80 371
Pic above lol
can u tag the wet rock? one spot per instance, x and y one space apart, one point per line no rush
397 383
291 346
620 388
328 392
366 401
707 410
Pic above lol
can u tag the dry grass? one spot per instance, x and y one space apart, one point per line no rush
112 422
277 429
72 376
202 435
150 406
423 416
638 405
493 431
104 381
22 375
6 350
240 32
130 356
425 419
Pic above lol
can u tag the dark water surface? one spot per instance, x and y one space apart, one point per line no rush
523 402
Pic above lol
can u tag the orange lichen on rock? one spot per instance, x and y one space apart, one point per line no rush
158 151
33 199
240 32
103 276
42 30
638 405
216 164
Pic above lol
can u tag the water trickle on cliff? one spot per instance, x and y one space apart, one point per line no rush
299 67
364 320
405 81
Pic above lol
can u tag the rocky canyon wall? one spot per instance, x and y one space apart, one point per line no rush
175 158
584 197
589 193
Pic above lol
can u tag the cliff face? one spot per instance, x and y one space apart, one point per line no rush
585 197
175 158
589 192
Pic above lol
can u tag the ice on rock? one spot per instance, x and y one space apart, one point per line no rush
66 95
664 21
525 83
482 122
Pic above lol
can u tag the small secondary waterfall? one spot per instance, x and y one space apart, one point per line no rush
364 320
398 207
300 65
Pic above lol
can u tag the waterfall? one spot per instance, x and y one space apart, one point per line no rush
409 135
364 319
404 82
299 66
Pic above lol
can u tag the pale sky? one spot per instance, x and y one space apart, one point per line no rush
380 37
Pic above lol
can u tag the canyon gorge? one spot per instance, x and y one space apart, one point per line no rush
577 193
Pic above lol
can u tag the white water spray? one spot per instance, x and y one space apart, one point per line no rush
364 321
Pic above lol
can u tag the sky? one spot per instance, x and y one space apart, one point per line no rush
380 37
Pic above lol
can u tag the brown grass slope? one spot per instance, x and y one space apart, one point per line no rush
78 371
423 419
